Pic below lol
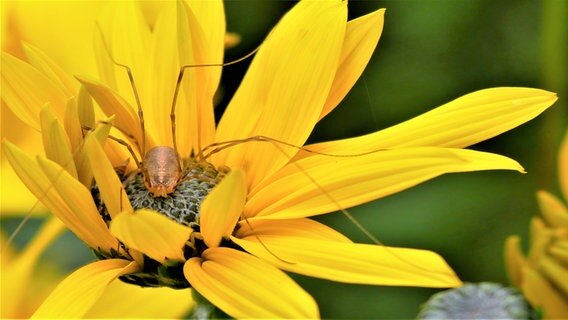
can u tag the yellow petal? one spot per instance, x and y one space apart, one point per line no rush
121 300
75 20
15 198
306 228
84 222
361 38
559 251
151 233
542 295
112 103
352 263
16 274
48 67
78 293
163 74
80 201
110 186
553 210
25 90
221 209
514 259
100 133
72 124
285 88
563 166
245 287
321 184
460 123
55 141
556 273
201 26
125 37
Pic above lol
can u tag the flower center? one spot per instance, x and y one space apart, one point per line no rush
182 206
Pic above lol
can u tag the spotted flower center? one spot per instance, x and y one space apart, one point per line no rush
182 206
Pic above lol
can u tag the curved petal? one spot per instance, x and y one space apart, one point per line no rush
121 300
353 263
64 196
16 274
305 228
78 293
553 210
245 287
460 123
25 90
515 260
48 67
15 198
110 186
361 38
221 209
321 184
151 233
113 104
285 88
55 141
542 295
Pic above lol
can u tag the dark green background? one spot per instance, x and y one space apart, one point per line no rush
430 53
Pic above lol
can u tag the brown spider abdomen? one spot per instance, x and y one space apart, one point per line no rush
161 170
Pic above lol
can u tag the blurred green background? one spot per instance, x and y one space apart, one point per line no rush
430 53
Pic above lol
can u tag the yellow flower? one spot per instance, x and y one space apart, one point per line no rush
245 205
26 285
542 275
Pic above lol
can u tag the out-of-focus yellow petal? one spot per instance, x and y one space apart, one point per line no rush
16 274
110 186
25 90
112 103
306 228
15 198
460 123
553 210
80 291
514 259
542 295
555 273
563 166
48 67
353 263
361 38
75 20
321 184
559 251
151 233
302 54
121 300
245 287
46 182
55 141
222 207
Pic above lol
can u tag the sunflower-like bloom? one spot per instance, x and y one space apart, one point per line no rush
542 274
243 190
